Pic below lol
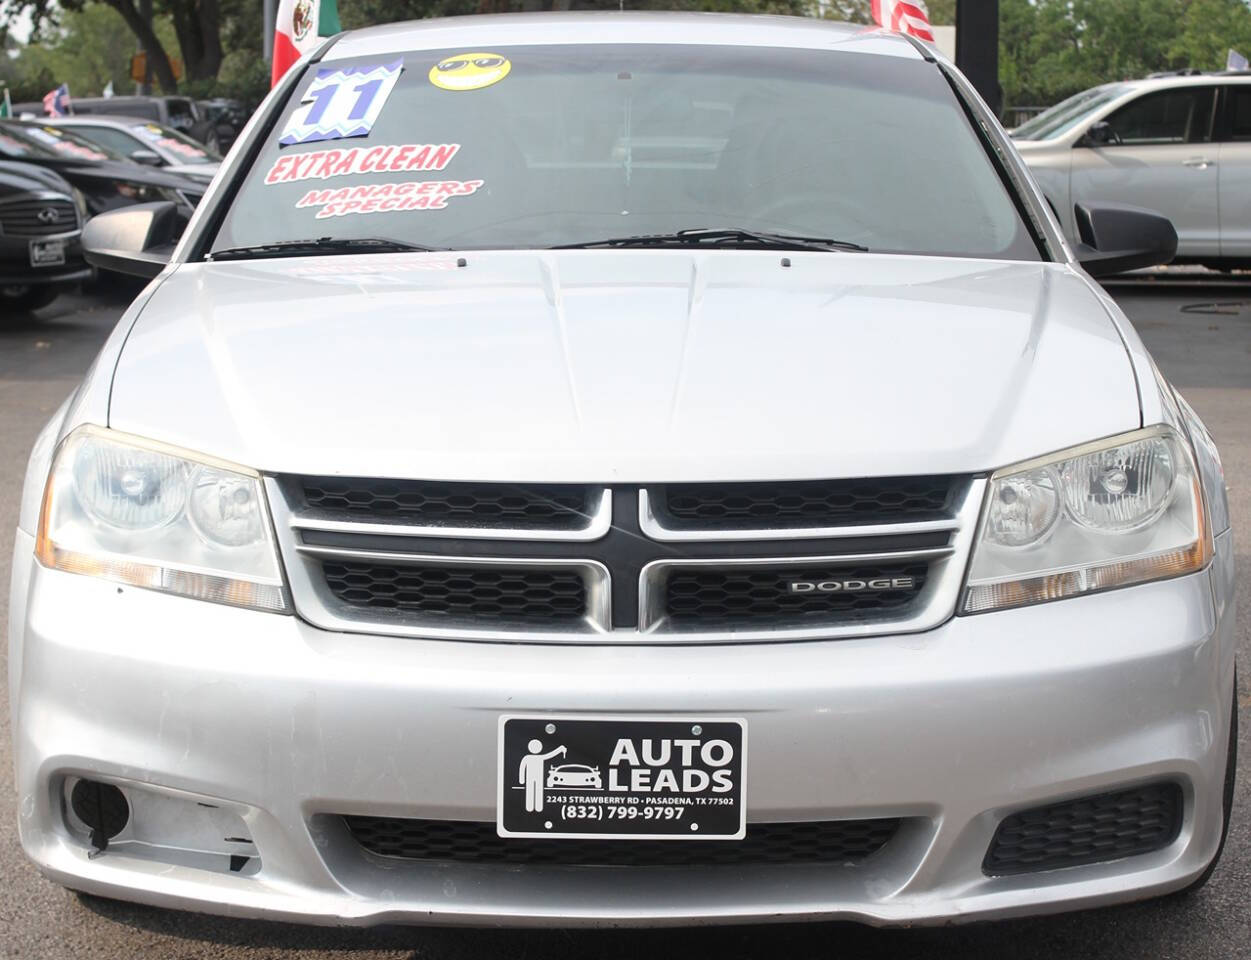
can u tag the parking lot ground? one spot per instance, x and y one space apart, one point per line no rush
1201 337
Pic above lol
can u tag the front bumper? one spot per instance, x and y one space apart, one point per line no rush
279 725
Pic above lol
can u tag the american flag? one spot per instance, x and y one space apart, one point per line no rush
906 16
56 102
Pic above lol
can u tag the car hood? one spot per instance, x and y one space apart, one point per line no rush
624 365
73 169
202 173
20 179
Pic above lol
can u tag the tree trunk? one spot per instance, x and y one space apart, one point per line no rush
158 59
209 16
197 24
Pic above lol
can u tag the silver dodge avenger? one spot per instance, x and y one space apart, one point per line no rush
624 469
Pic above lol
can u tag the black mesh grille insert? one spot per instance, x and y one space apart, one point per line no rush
809 503
485 592
422 502
1091 830
832 842
700 595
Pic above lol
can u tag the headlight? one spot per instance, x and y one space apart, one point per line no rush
1107 514
138 512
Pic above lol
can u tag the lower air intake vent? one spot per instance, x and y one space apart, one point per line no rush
484 593
783 594
830 842
1091 830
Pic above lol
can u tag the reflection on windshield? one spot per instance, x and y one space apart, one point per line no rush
1067 114
533 147
177 147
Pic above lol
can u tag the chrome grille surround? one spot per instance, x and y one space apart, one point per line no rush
309 538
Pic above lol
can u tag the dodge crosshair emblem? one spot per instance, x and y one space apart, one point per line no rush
48 215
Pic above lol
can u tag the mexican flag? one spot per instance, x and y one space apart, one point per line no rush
302 24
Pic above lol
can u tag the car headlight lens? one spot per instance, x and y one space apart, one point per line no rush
1104 515
138 512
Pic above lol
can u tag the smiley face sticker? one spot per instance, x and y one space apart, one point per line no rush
469 71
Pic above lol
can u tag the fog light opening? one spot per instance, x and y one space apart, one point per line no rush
102 808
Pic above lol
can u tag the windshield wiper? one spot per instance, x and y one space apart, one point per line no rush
320 245
720 237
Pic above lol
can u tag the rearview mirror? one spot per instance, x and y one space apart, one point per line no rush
137 240
149 158
1114 238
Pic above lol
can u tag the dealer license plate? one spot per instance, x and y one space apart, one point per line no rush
622 778
47 253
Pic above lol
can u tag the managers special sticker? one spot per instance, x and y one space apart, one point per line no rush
340 103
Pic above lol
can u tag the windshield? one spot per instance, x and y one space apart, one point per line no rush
1067 114
175 147
539 146
17 144
63 143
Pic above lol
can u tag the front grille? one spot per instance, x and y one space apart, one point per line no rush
814 503
489 593
38 218
553 506
710 596
829 842
576 562
1091 830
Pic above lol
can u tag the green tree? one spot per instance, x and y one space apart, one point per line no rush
89 49
1052 48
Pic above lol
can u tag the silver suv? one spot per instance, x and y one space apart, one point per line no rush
566 448
1179 144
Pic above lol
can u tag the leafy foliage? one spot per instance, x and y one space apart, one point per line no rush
1052 48
1048 48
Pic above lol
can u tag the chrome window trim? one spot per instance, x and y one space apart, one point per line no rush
598 522
654 529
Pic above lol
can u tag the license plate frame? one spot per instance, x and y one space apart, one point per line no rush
612 791
47 252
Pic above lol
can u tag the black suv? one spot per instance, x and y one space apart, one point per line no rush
40 237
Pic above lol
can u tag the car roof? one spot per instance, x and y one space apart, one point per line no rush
502 30
1173 80
120 119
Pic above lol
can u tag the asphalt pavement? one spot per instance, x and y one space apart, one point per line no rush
1201 337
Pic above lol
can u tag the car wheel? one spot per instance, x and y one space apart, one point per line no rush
23 297
1231 770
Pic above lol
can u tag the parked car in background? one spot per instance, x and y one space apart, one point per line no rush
145 141
41 219
180 113
105 178
1179 144
228 118
624 391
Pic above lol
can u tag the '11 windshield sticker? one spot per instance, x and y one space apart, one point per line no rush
341 103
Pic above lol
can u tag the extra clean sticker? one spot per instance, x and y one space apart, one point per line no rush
341 103
470 71
342 162
387 197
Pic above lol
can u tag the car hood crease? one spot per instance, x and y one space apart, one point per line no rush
624 365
